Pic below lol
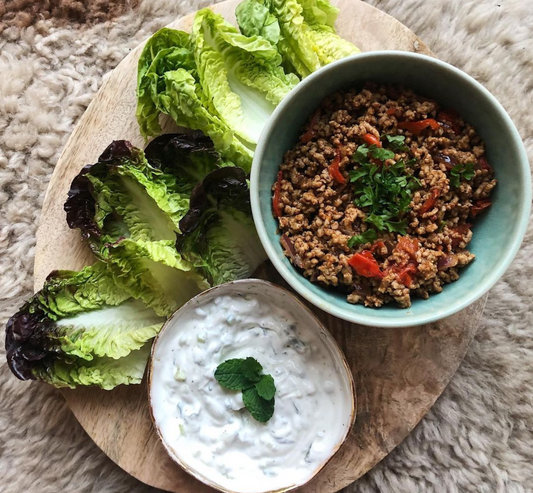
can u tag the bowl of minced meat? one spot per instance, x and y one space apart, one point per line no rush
378 198
390 189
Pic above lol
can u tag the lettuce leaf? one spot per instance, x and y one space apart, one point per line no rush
130 212
82 321
106 373
185 102
255 19
307 38
218 234
167 49
241 76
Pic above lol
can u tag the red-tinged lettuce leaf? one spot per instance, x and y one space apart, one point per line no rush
80 205
218 235
78 324
190 156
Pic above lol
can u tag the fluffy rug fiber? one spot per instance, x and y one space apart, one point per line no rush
53 57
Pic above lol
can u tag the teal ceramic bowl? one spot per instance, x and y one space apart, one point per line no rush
498 233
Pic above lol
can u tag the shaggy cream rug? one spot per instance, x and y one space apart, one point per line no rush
54 55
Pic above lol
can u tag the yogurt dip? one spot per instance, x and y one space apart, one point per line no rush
206 428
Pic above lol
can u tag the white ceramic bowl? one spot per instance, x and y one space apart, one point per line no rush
162 348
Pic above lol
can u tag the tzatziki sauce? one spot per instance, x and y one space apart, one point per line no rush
206 427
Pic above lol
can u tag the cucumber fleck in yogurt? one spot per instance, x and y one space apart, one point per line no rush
207 427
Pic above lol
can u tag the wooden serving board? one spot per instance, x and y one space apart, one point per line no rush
399 373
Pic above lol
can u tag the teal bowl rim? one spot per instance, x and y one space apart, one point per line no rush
291 275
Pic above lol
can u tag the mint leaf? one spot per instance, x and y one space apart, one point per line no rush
368 236
231 376
257 390
251 369
261 409
266 387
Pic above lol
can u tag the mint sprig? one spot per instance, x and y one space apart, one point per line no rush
258 390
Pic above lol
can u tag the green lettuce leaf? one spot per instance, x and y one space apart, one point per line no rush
167 49
106 373
185 102
256 20
241 76
218 234
307 37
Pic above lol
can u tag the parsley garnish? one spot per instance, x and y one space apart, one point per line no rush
368 236
465 171
257 389
397 142
361 154
385 190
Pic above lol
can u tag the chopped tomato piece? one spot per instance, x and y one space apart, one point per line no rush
371 139
406 275
430 202
379 245
334 169
408 245
458 233
311 132
484 163
450 116
391 111
417 127
479 206
276 205
365 264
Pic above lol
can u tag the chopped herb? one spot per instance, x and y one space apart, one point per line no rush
360 154
368 236
257 389
386 191
461 171
381 153
397 142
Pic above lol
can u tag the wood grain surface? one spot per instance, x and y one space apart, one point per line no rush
399 373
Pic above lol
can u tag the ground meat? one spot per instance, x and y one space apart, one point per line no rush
425 244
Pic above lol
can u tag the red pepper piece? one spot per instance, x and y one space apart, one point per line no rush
450 116
311 132
334 169
371 139
417 127
479 206
391 111
429 203
276 206
365 264
408 245
482 161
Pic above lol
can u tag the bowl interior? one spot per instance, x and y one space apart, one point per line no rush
497 233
